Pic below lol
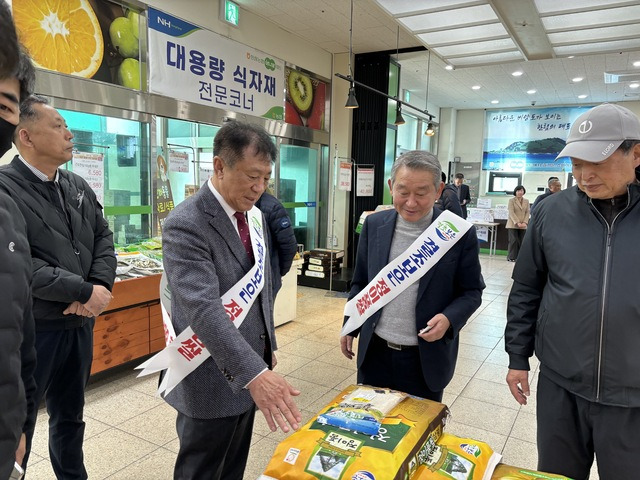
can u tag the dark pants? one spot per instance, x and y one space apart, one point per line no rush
571 429
396 369
62 372
516 235
215 449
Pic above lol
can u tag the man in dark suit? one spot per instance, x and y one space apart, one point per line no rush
206 245
411 344
464 195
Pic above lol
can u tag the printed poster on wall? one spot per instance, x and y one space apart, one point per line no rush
93 39
90 166
200 66
528 139
364 181
163 198
306 100
178 161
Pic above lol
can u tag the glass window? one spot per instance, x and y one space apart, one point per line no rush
121 177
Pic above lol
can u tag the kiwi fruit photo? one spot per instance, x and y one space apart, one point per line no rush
305 103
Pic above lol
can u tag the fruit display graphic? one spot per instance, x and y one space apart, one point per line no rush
93 39
305 103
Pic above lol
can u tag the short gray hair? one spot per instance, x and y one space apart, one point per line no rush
418 160
27 112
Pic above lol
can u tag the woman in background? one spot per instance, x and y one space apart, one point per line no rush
519 211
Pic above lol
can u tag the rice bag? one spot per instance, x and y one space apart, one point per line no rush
507 472
327 452
457 458
363 409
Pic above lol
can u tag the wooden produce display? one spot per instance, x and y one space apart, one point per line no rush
131 327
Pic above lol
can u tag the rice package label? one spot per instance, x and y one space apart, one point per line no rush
507 472
325 452
452 457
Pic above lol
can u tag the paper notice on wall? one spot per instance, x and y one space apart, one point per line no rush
90 166
500 212
364 181
482 233
344 177
178 161
484 203
484 215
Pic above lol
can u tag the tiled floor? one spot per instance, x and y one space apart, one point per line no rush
131 432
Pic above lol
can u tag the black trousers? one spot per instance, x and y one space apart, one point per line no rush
62 372
516 235
571 429
396 369
215 449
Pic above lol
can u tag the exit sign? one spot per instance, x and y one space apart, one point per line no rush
230 12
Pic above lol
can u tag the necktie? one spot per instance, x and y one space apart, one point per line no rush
243 230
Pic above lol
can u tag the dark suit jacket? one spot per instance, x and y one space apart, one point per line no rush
452 287
465 194
203 258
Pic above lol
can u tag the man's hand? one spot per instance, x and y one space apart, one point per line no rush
437 327
100 298
272 394
346 345
518 381
76 308
22 449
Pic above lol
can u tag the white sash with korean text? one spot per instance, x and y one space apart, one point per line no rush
184 353
405 269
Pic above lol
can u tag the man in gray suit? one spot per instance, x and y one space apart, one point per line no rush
204 258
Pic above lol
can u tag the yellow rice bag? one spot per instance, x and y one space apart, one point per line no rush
507 472
459 459
324 452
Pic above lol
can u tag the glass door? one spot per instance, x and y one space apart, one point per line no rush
298 187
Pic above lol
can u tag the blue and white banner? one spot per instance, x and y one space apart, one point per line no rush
405 269
200 66
528 140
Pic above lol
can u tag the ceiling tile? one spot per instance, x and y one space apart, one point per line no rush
476 48
591 34
402 7
597 47
592 18
449 18
484 59
456 35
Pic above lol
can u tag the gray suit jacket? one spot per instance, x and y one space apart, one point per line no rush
203 258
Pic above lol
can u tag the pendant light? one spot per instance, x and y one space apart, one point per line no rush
399 117
430 131
351 99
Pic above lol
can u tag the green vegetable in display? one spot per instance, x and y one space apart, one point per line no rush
129 73
124 38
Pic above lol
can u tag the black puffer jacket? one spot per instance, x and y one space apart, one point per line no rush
283 244
17 352
449 200
575 300
69 257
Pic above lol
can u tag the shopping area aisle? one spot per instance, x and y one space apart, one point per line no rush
131 432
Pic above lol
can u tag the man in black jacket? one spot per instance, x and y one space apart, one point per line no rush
17 342
575 302
283 244
73 265
464 194
449 198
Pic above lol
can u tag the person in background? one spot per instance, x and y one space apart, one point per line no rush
464 195
207 249
74 266
282 245
553 186
517 221
575 303
449 198
411 344
17 351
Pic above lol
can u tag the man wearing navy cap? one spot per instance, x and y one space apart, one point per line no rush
575 304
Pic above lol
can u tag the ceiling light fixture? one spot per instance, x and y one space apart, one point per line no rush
582 96
476 87
431 130
577 79
399 117
495 101
352 102
636 64
531 92
449 67
634 85
517 73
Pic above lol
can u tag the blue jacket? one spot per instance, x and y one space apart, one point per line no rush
452 287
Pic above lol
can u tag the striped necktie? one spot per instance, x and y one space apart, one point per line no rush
243 230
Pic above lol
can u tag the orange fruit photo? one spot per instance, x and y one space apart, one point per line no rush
60 35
